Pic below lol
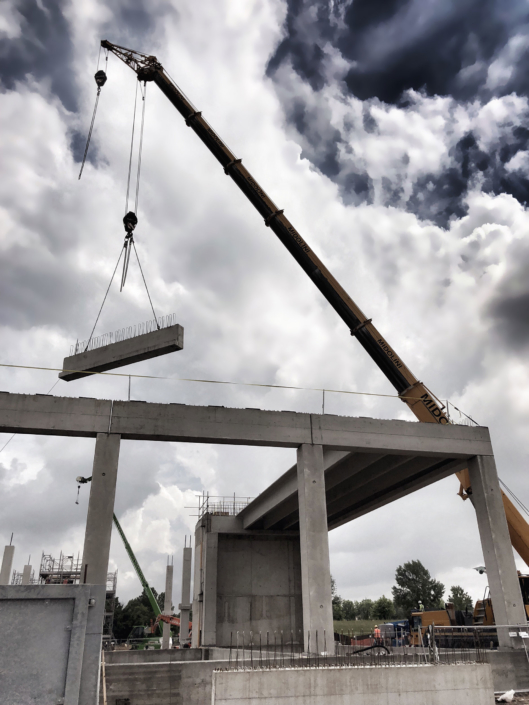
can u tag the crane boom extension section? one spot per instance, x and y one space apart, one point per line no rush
145 585
415 394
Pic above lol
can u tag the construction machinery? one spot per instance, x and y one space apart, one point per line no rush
421 401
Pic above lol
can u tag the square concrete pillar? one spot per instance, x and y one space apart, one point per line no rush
167 606
7 565
198 588
314 544
185 606
504 585
96 550
210 548
26 575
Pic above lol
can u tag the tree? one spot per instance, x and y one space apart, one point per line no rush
337 611
137 612
349 610
383 608
415 585
460 598
365 609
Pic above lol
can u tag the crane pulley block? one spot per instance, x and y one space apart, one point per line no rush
100 78
130 221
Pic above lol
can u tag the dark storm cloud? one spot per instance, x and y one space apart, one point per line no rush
392 46
439 47
43 49
440 197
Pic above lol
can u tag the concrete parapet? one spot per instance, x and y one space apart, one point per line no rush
468 684
125 352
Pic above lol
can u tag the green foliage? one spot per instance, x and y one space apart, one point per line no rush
349 611
337 609
137 612
383 609
415 585
364 609
460 598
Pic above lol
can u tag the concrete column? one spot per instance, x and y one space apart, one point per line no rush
503 580
26 575
198 588
314 544
167 605
7 565
185 606
210 547
96 549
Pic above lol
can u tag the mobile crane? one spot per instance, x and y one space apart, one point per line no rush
421 401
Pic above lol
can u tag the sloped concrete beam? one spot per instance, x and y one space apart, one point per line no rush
125 352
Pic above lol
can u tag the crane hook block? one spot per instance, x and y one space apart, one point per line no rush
101 79
130 221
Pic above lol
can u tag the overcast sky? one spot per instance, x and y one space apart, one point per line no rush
395 136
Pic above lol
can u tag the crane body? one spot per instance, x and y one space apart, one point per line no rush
422 402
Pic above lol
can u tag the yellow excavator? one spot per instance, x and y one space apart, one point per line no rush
421 401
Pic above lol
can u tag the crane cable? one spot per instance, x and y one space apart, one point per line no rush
130 219
100 79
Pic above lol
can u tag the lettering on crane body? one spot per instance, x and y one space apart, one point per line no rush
257 188
432 407
389 352
216 138
297 237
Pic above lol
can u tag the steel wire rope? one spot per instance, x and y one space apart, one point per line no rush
105 298
93 117
140 149
516 499
131 149
144 281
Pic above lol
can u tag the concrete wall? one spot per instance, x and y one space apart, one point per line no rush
51 643
159 656
421 685
247 582
164 683
510 670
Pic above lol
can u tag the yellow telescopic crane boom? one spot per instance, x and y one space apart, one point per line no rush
415 394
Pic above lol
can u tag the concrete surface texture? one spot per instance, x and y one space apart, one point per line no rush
510 670
421 685
125 352
318 630
497 550
66 416
98 531
26 575
167 605
7 565
185 605
54 644
169 682
246 581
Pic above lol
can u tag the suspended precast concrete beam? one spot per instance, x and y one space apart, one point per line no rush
124 352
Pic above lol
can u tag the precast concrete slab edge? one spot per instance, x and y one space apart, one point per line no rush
124 352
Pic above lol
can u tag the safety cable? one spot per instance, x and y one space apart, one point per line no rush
146 287
108 289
